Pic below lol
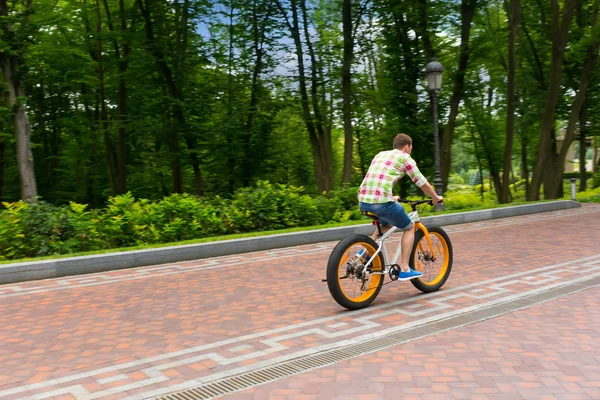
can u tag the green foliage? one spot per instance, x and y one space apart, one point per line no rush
576 175
40 228
596 179
274 207
12 237
589 196
466 200
456 179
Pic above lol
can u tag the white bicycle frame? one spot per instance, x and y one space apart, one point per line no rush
414 216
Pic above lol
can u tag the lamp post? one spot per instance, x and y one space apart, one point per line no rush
434 81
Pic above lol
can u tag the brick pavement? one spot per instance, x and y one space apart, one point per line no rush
146 331
548 351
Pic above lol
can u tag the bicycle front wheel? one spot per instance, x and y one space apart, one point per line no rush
351 284
434 263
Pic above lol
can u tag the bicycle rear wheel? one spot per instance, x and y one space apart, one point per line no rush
346 278
435 272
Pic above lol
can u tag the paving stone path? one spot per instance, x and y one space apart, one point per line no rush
150 331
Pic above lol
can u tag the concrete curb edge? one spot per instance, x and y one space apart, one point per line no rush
46 269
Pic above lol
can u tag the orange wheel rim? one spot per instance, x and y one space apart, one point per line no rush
433 271
352 287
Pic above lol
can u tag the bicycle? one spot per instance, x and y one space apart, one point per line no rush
365 270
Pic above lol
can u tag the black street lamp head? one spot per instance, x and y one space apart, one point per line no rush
434 74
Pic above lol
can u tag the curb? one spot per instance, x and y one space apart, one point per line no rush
46 269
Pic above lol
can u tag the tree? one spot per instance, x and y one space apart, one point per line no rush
559 29
467 12
15 29
347 89
316 124
556 163
122 54
514 16
178 126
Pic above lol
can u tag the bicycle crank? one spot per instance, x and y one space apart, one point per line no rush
394 272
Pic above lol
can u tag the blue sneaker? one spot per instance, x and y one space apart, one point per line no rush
359 256
407 276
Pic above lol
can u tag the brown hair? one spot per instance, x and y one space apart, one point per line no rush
402 140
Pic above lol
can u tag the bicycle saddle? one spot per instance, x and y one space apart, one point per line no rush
369 214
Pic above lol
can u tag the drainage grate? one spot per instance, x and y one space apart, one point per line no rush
306 363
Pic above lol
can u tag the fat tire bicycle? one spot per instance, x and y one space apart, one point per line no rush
358 265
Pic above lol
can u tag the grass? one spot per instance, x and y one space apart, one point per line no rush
426 212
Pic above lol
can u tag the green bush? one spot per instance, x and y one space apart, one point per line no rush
31 229
347 196
39 229
596 179
589 196
268 207
576 175
466 201
13 243
455 179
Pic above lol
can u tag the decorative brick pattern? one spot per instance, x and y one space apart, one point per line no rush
149 331
548 351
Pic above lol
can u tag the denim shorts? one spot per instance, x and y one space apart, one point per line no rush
389 213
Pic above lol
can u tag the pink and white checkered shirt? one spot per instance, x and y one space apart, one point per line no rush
385 170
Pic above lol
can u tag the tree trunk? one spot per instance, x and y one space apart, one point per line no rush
595 157
494 173
323 170
477 156
583 129
467 11
10 61
123 63
514 20
190 141
48 156
554 181
231 155
90 165
560 32
322 124
175 110
538 68
110 162
423 29
2 163
347 89
258 30
410 65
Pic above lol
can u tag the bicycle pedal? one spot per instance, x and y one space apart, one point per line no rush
394 272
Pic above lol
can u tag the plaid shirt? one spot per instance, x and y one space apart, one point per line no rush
385 170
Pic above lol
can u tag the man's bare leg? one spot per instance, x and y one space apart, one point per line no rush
384 229
408 237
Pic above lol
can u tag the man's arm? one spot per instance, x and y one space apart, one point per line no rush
417 177
428 189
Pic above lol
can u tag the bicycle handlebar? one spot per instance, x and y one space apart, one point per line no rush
415 203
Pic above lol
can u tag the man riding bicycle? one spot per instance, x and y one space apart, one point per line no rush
375 195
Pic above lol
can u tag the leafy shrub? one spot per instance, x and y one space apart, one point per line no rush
589 196
576 175
278 206
347 195
596 179
455 179
30 229
465 201
13 243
